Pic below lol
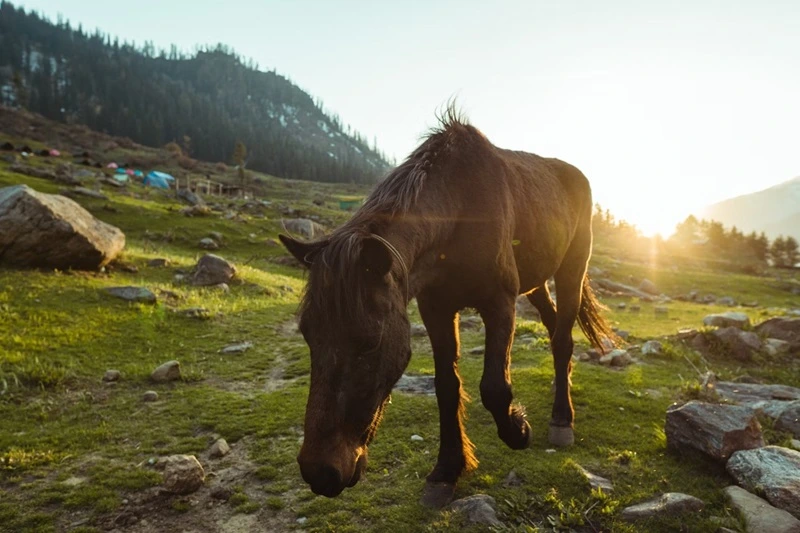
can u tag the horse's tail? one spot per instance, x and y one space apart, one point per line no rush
592 323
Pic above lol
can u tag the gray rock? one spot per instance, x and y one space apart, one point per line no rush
418 330
83 191
649 287
190 197
222 287
661 310
623 334
671 503
777 346
212 270
595 481
208 243
620 288
112 375
773 471
221 492
796 444
133 294
616 358
525 309
158 262
416 384
220 448
239 347
785 329
470 322
150 396
789 419
478 509
512 480
169 371
305 227
759 515
652 348
724 320
715 430
741 345
183 474
749 393
51 231
477 350
726 300
622 305
635 308
218 237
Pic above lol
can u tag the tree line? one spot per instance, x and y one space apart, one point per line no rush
211 96
705 238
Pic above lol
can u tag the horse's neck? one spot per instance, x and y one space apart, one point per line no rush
417 238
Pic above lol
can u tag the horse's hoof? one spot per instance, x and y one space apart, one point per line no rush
438 494
561 436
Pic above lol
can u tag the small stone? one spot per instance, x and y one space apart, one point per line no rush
133 294
150 396
416 384
649 287
222 287
512 480
212 270
759 515
208 244
622 305
796 444
169 371
726 300
416 438
623 334
158 262
478 350
183 474
302 520
240 347
221 492
621 359
724 320
636 308
652 348
550 450
595 481
220 448
418 330
478 509
111 375
671 503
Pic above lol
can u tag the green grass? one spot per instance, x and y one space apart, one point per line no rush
73 447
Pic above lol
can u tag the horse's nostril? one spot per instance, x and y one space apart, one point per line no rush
324 480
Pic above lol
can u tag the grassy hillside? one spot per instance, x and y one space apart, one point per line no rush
77 454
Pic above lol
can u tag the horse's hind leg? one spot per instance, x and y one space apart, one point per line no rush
498 317
540 298
569 281
455 449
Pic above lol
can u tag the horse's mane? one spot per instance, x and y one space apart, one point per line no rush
335 279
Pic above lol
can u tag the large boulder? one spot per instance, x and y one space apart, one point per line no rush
52 231
183 474
724 320
759 515
785 329
715 430
741 345
212 270
772 471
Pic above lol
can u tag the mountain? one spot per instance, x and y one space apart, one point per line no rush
775 211
206 102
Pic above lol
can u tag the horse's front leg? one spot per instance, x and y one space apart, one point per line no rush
455 449
512 427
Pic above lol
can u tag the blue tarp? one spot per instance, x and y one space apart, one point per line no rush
158 179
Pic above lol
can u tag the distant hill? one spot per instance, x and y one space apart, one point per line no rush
775 211
205 102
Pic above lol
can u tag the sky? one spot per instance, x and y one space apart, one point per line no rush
665 106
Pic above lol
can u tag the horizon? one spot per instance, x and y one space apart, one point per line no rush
683 106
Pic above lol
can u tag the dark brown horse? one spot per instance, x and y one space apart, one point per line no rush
461 223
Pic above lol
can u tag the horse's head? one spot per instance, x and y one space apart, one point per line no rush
354 319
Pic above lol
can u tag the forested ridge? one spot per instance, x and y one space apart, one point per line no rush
207 101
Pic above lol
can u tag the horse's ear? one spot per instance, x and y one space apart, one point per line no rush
302 251
376 257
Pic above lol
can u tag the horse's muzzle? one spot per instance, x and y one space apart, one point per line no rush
327 480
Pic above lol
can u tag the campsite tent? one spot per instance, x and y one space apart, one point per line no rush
112 165
162 180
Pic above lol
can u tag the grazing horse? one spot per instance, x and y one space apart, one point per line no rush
460 223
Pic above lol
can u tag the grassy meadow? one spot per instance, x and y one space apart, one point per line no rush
76 453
